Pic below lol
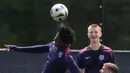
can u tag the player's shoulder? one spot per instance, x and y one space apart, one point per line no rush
85 49
107 49
51 43
69 57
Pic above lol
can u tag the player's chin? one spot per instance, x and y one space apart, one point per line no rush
94 39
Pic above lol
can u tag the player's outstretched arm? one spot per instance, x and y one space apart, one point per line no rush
29 49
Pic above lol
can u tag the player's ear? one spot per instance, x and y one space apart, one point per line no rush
100 34
87 33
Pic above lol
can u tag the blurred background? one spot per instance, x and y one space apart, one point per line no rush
28 22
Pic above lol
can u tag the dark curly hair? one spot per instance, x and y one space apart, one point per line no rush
67 34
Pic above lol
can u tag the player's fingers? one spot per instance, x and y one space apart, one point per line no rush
7 46
5 49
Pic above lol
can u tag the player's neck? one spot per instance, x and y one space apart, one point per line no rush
61 46
95 46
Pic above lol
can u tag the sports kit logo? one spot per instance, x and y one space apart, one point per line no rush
101 57
60 54
88 57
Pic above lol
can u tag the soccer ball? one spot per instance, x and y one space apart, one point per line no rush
59 12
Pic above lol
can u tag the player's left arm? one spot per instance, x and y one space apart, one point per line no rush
72 66
30 49
112 57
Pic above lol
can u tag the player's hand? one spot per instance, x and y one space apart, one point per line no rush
7 47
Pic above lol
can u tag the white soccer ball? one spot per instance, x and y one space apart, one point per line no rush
59 12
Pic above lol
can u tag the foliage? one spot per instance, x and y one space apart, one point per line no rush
28 22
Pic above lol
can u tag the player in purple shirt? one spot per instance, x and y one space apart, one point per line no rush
59 58
91 58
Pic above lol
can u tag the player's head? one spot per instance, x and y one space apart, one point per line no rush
65 36
109 68
94 32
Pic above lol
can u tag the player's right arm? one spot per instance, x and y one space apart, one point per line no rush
30 49
80 62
